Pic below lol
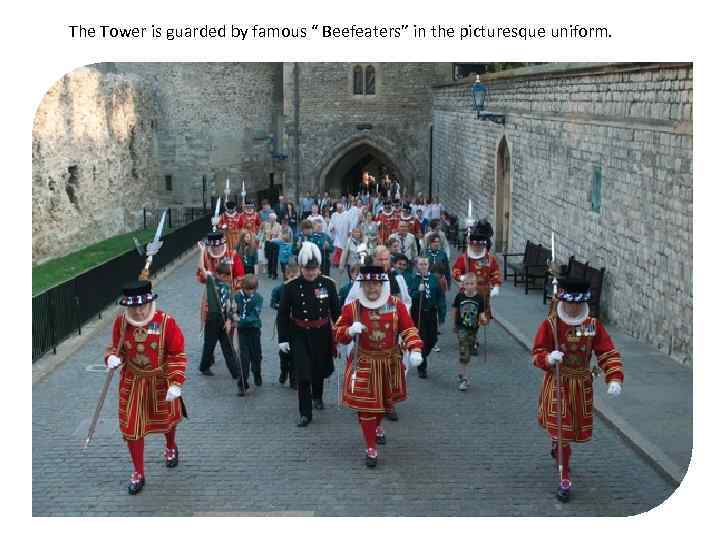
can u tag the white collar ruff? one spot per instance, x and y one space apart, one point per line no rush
375 304
572 321
143 322
482 254
218 256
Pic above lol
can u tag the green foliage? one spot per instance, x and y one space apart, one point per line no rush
56 271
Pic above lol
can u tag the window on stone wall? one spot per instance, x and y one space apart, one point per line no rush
168 182
72 184
370 81
596 193
358 81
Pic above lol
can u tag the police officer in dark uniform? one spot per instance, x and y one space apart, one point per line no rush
428 307
309 306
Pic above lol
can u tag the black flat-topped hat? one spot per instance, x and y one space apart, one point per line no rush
372 273
215 239
575 291
137 293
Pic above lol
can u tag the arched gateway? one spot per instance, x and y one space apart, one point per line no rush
341 167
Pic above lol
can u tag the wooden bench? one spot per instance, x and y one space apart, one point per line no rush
531 269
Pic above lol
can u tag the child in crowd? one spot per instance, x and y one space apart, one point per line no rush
292 271
248 252
284 248
248 304
469 314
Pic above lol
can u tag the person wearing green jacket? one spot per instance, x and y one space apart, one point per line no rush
248 304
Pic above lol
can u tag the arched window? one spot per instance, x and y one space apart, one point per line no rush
358 81
370 81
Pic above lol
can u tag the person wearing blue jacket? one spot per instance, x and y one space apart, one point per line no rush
248 304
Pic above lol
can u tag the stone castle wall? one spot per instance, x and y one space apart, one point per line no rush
93 166
214 120
634 123
330 116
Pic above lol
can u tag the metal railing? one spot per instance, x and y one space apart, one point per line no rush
64 309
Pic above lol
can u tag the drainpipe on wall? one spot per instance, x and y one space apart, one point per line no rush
296 100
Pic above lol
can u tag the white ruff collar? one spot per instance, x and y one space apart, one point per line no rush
146 320
572 321
473 255
218 256
231 214
381 301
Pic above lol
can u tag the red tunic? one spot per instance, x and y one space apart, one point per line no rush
380 380
487 271
153 360
575 374
387 225
250 221
231 225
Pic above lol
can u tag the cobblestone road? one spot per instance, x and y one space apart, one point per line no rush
451 454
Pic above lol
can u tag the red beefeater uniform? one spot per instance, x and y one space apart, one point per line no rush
250 221
232 226
237 269
413 226
388 224
153 360
487 271
575 374
380 381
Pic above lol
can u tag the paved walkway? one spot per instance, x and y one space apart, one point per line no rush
451 454
654 411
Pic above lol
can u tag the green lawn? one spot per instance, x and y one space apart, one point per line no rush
55 271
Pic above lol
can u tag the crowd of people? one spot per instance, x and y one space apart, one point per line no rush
384 317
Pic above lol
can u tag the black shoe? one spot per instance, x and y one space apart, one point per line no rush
304 421
258 379
293 385
171 457
283 377
392 415
380 438
318 404
563 492
370 461
136 484
241 389
207 372
422 373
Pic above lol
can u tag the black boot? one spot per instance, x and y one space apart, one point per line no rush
172 456
283 377
136 484
241 388
304 421
563 492
392 415
257 378
207 372
318 404
370 459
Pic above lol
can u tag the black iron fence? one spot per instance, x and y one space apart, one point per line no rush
64 309
176 216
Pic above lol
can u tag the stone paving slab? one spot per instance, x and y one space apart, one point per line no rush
654 411
479 453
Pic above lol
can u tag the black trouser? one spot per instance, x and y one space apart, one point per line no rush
214 332
250 351
428 327
307 391
325 266
286 366
271 254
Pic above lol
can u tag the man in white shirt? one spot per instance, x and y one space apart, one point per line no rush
339 231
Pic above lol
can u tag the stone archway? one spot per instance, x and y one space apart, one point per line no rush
341 166
503 197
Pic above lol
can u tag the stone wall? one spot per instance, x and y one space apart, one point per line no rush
214 120
633 124
398 117
93 170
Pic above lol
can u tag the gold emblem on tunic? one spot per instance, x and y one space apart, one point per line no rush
142 361
140 335
377 336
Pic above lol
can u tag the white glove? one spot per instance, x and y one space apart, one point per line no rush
356 328
173 392
214 221
421 287
555 357
614 389
494 291
113 361
415 358
152 248
284 347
